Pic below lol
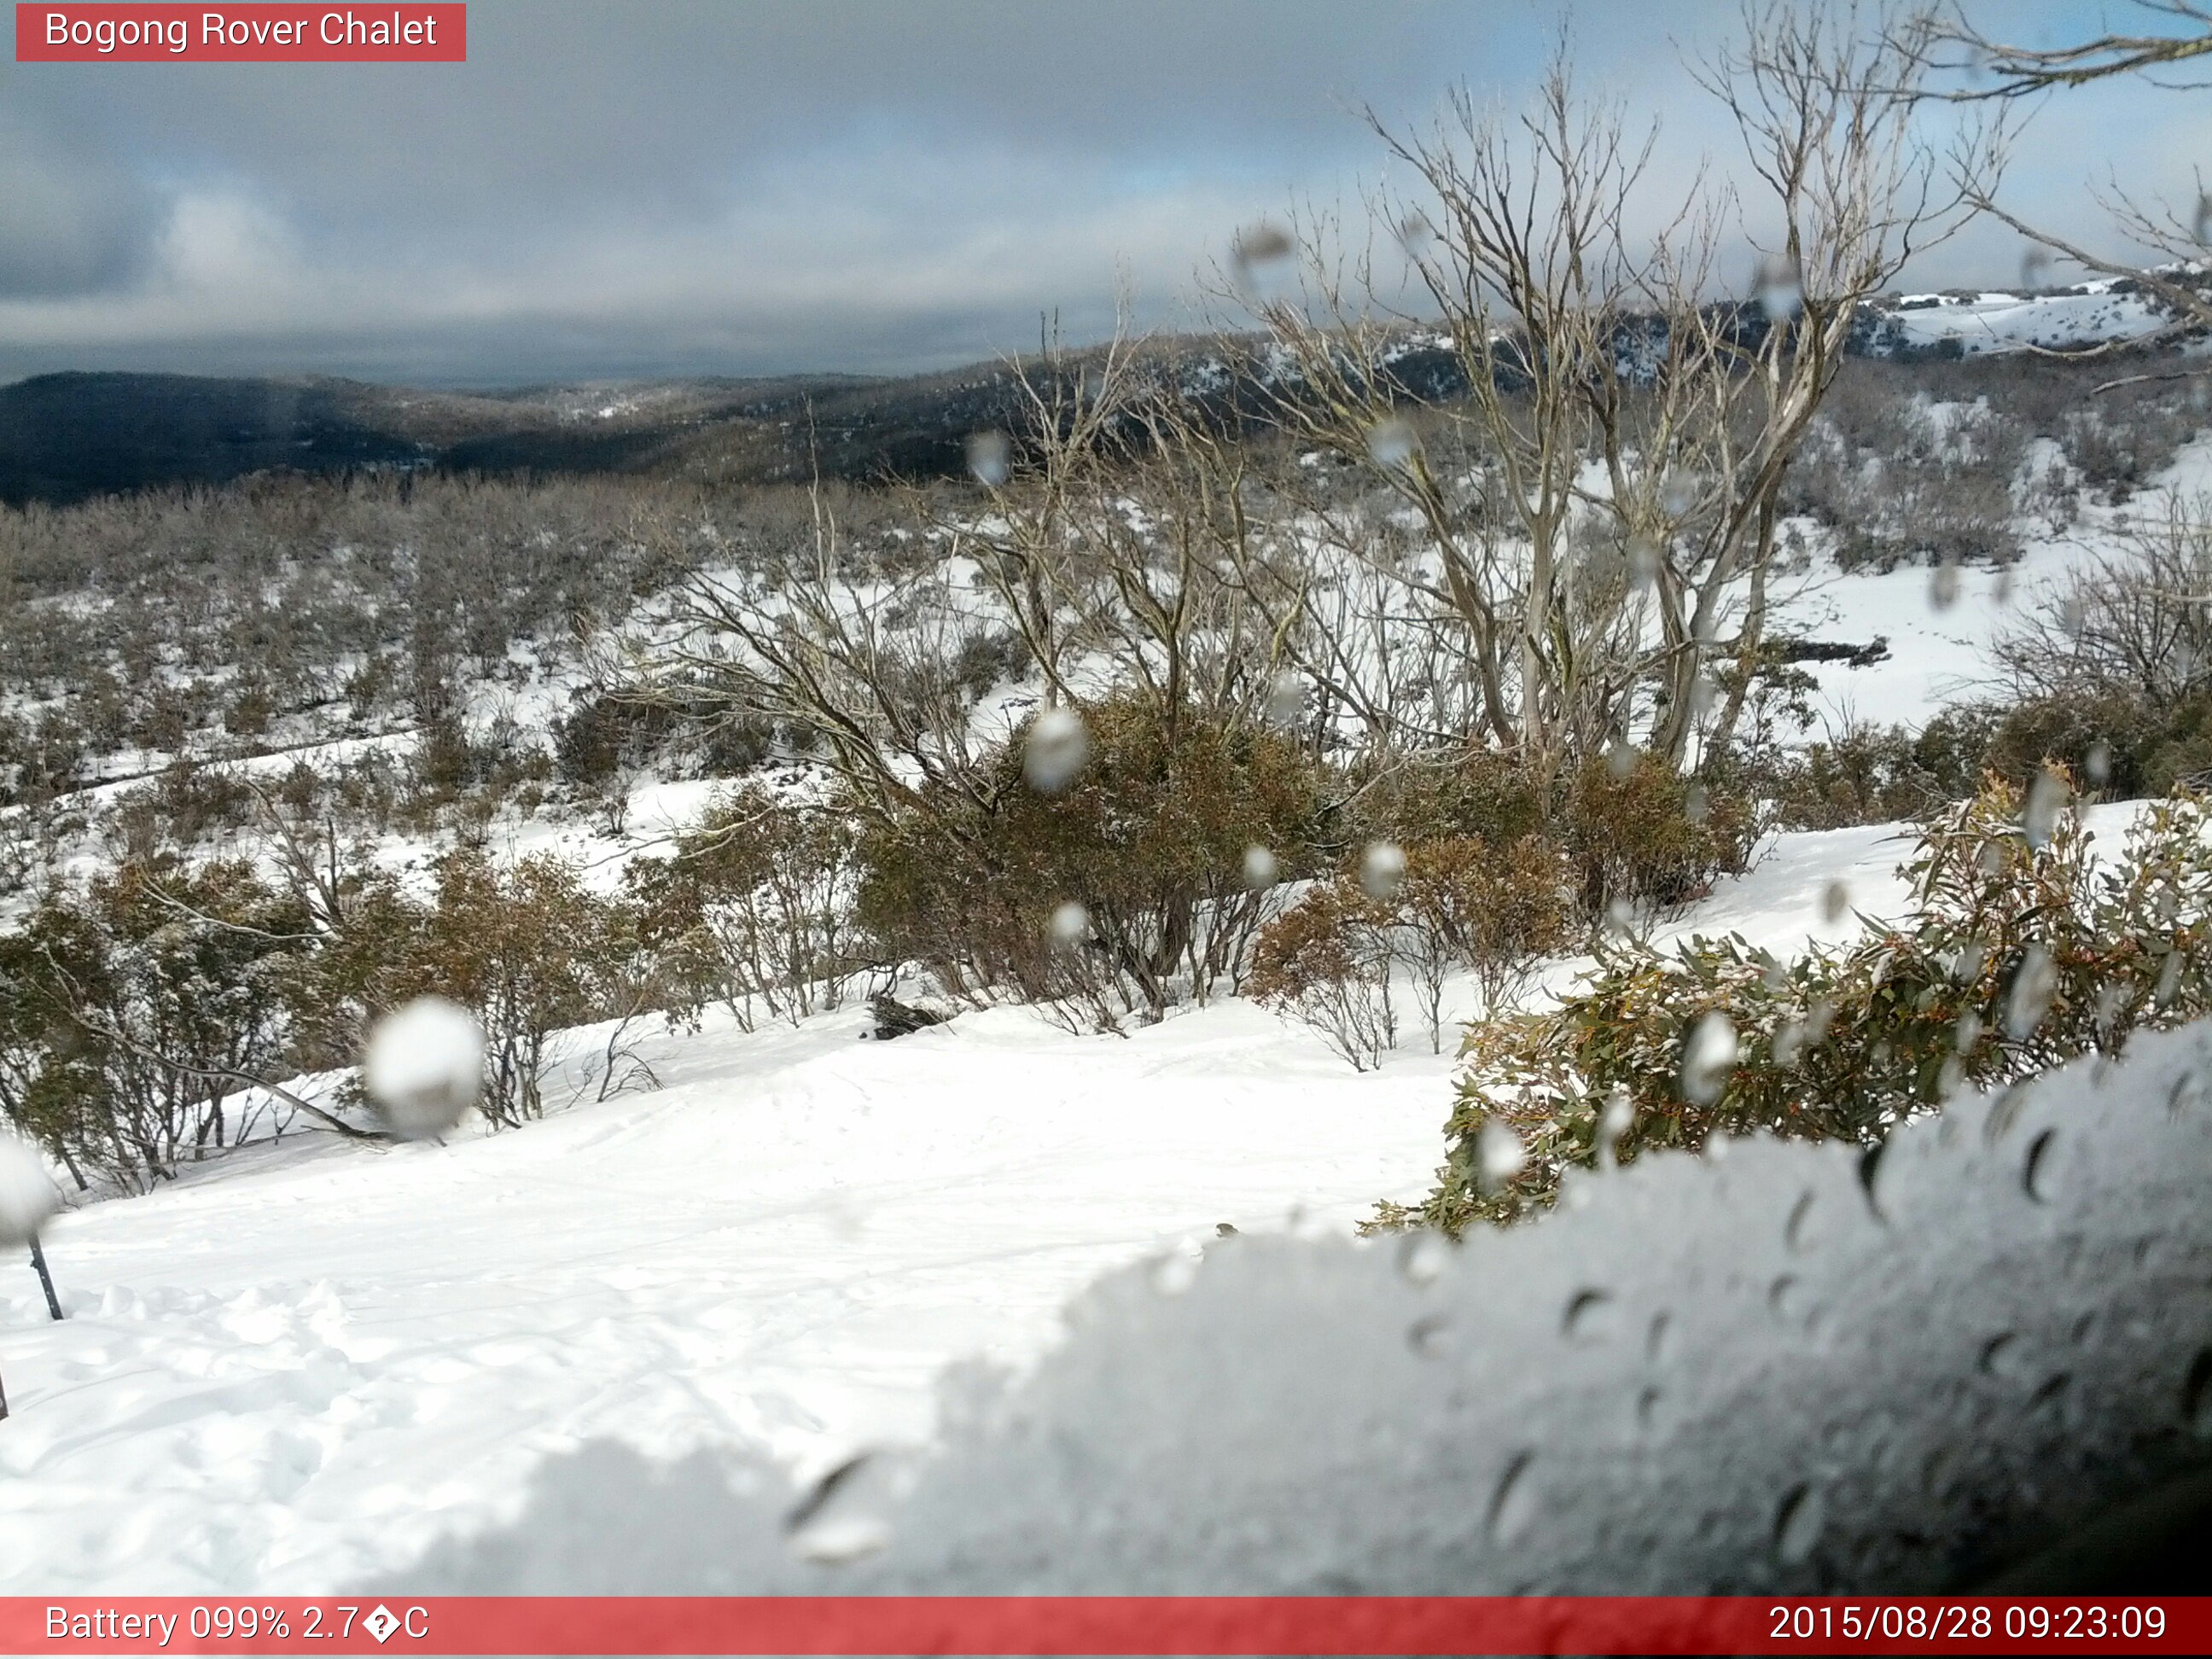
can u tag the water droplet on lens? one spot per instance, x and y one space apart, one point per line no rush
1708 1057
848 1515
2197 1395
2047 800
1794 1229
1429 1335
1262 868
1175 1273
1500 1155
1513 1505
1286 699
1781 288
1620 759
2097 764
1264 257
1392 442
1797 1525
990 458
1643 560
1835 902
1944 586
2033 985
1423 1256
1381 870
1057 746
1591 1316
1070 922
1998 1354
2037 1174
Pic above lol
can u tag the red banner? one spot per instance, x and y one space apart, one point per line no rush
109 34
1106 1625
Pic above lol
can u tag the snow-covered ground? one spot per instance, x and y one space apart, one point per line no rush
295 1367
292 1370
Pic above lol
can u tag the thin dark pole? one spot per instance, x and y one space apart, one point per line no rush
46 1279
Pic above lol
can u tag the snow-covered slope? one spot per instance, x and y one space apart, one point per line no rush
285 1372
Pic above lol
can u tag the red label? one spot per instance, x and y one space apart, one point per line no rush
111 34
1311 1626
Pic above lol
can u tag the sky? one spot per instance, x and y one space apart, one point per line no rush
618 190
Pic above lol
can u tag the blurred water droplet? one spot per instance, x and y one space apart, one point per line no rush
1697 804
2001 590
1415 233
424 1067
1793 1230
2097 764
1286 699
2197 1395
27 1194
1070 922
1423 1256
1797 1525
1263 257
1967 961
1781 288
1381 870
848 1515
2039 818
2111 1003
1944 586
1647 1410
1835 901
2169 980
1058 745
1514 1505
1678 494
1175 1273
1967 1032
1591 1316
2034 265
1262 869
1429 1335
2073 615
1659 1338
990 457
1785 1297
1618 1118
1392 442
2039 1172
1950 1077
2203 222
1707 1056
1500 1155
1620 759
1643 561
2033 985
1620 915
1998 1355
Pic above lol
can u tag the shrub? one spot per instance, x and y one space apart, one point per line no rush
1492 911
753 909
2016 956
1643 836
968 877
1327 962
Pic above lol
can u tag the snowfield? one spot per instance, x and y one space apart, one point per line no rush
298 1365
293 1370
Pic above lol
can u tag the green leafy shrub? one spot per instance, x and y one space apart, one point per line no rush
2022 951
972 878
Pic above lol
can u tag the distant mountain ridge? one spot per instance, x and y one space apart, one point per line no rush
68 436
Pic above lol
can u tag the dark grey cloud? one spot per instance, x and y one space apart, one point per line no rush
610 189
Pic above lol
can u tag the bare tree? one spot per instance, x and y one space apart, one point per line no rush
1994 69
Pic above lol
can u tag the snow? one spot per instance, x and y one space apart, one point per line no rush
281 1374
1782 1369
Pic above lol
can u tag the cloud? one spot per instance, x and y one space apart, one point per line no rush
610 189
